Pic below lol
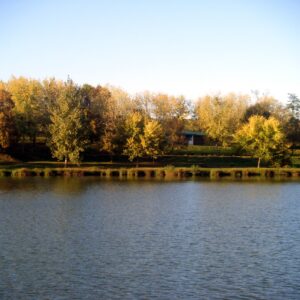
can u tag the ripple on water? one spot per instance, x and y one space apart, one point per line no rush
90 239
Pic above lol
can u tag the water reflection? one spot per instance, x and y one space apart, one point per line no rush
77 238
59 185
78 185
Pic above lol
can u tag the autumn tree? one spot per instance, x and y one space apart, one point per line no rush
257 109
7 125
2 85
267 106
171 112
113 138
220 116
121 101
27 96
144 137
263 138
133 130
67 139
116 114
96 103
151 140
144 104
51 90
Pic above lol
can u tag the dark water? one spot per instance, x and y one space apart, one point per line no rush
91 239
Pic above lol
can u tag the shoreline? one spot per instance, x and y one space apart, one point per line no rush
154 172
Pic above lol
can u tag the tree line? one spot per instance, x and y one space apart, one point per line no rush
69 118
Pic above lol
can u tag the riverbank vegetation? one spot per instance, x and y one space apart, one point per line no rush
167 172
55 120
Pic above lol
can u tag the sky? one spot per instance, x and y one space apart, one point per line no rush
180 47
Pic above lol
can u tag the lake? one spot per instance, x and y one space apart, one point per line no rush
83 238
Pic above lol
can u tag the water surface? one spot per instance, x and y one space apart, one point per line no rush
68 238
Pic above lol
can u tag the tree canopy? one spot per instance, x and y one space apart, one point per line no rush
67 139
69 118
220 116
7 127
263 138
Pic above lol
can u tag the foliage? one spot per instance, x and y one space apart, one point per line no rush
51 91
70 116
151 140
67 140
220 116
112 139
96 101
7 126
27 96
263 138
171 112
268 106
143 137
293 125
133 130
294 106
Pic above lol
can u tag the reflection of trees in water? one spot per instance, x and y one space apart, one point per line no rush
24 184
70 185
58 185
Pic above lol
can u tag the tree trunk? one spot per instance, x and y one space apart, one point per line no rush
258 163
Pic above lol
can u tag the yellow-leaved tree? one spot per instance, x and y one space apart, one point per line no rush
133 130
152 139
67 132
263 138
27 95
7 126
221 116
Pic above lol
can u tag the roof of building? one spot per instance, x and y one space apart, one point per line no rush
197 133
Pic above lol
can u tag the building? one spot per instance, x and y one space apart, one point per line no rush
194 137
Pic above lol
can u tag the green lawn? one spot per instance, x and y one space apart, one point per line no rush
201 156
177 161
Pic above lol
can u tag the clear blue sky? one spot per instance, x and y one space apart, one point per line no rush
188 47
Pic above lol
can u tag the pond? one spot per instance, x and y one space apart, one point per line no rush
83 238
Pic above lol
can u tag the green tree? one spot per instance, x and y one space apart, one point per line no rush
7 125
67 139
151 140
263 138
293 125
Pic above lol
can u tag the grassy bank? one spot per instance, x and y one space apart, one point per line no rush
202 156
154 172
